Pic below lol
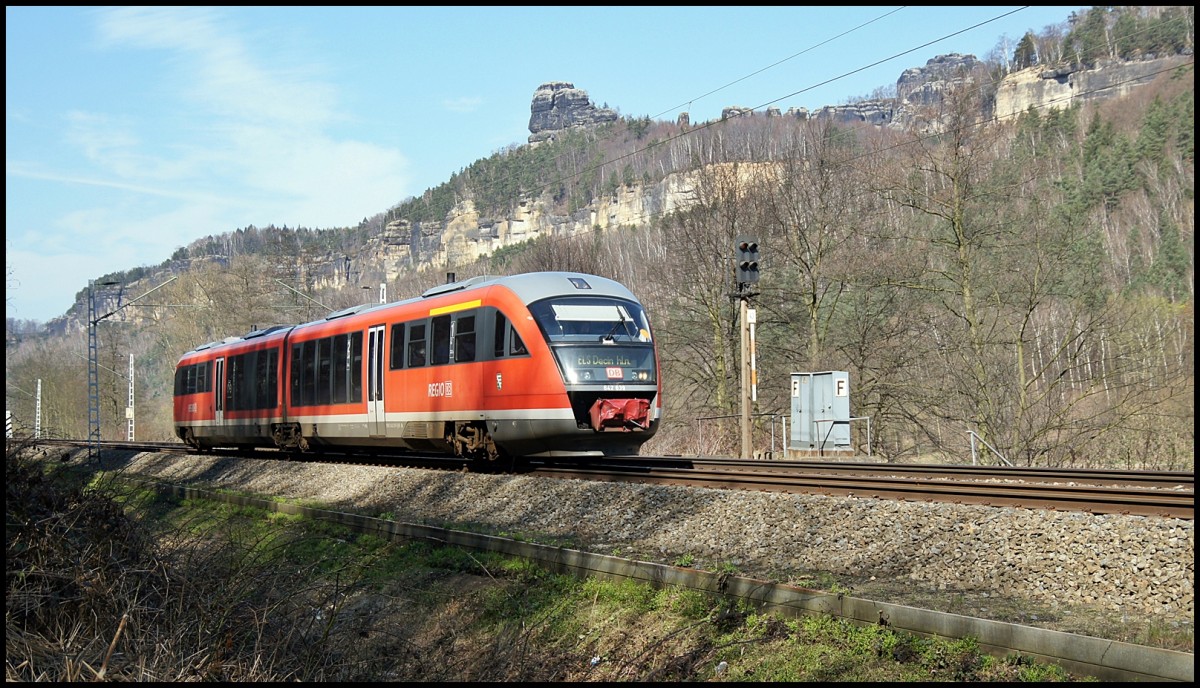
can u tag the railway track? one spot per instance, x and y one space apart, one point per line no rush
1082 476
901 613
1139 501
1167 494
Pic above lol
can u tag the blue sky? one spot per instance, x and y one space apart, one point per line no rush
133 131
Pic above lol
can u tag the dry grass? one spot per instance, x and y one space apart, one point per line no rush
194 593
91 596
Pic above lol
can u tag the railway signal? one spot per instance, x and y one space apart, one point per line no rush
746 260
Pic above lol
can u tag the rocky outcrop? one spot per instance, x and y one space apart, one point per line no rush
558 106
916 89
1040 87
467 234
878 112
926 85
736 111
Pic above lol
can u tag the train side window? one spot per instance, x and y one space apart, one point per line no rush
236 391
308 381
271 398
516 346
356 359
416 345
250 377
464 339
256 383
294 377
498 335
234 383
324 371
248 382
396 360
440 337
340 369
505 340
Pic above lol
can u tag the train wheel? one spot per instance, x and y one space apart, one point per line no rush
287 436
189 438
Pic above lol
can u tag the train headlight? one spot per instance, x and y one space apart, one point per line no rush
641 375
579 375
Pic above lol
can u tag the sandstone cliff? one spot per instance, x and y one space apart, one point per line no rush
465 235
1038 87
558 105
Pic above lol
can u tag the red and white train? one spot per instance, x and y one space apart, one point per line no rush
538 364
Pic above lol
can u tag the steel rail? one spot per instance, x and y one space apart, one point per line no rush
1095 476
1165 494
1057 497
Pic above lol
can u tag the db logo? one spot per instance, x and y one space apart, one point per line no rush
614 373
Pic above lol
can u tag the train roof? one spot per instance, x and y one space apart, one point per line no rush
535 286
254 334
528 286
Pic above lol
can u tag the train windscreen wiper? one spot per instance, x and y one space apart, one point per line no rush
608 338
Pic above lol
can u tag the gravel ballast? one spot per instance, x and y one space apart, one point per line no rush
1132 566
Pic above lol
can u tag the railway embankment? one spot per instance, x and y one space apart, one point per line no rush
1053 569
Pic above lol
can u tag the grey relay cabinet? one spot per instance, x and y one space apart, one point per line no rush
820 422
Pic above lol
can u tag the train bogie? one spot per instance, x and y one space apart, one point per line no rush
549 364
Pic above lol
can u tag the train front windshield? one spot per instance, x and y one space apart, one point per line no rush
598 340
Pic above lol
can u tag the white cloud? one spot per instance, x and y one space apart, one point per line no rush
238 129
220 71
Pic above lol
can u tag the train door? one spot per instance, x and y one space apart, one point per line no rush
219 393
376 427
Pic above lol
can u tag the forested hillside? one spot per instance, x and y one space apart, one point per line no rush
1028 279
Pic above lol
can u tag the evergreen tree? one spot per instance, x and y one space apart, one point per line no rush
1025 56
1088 41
